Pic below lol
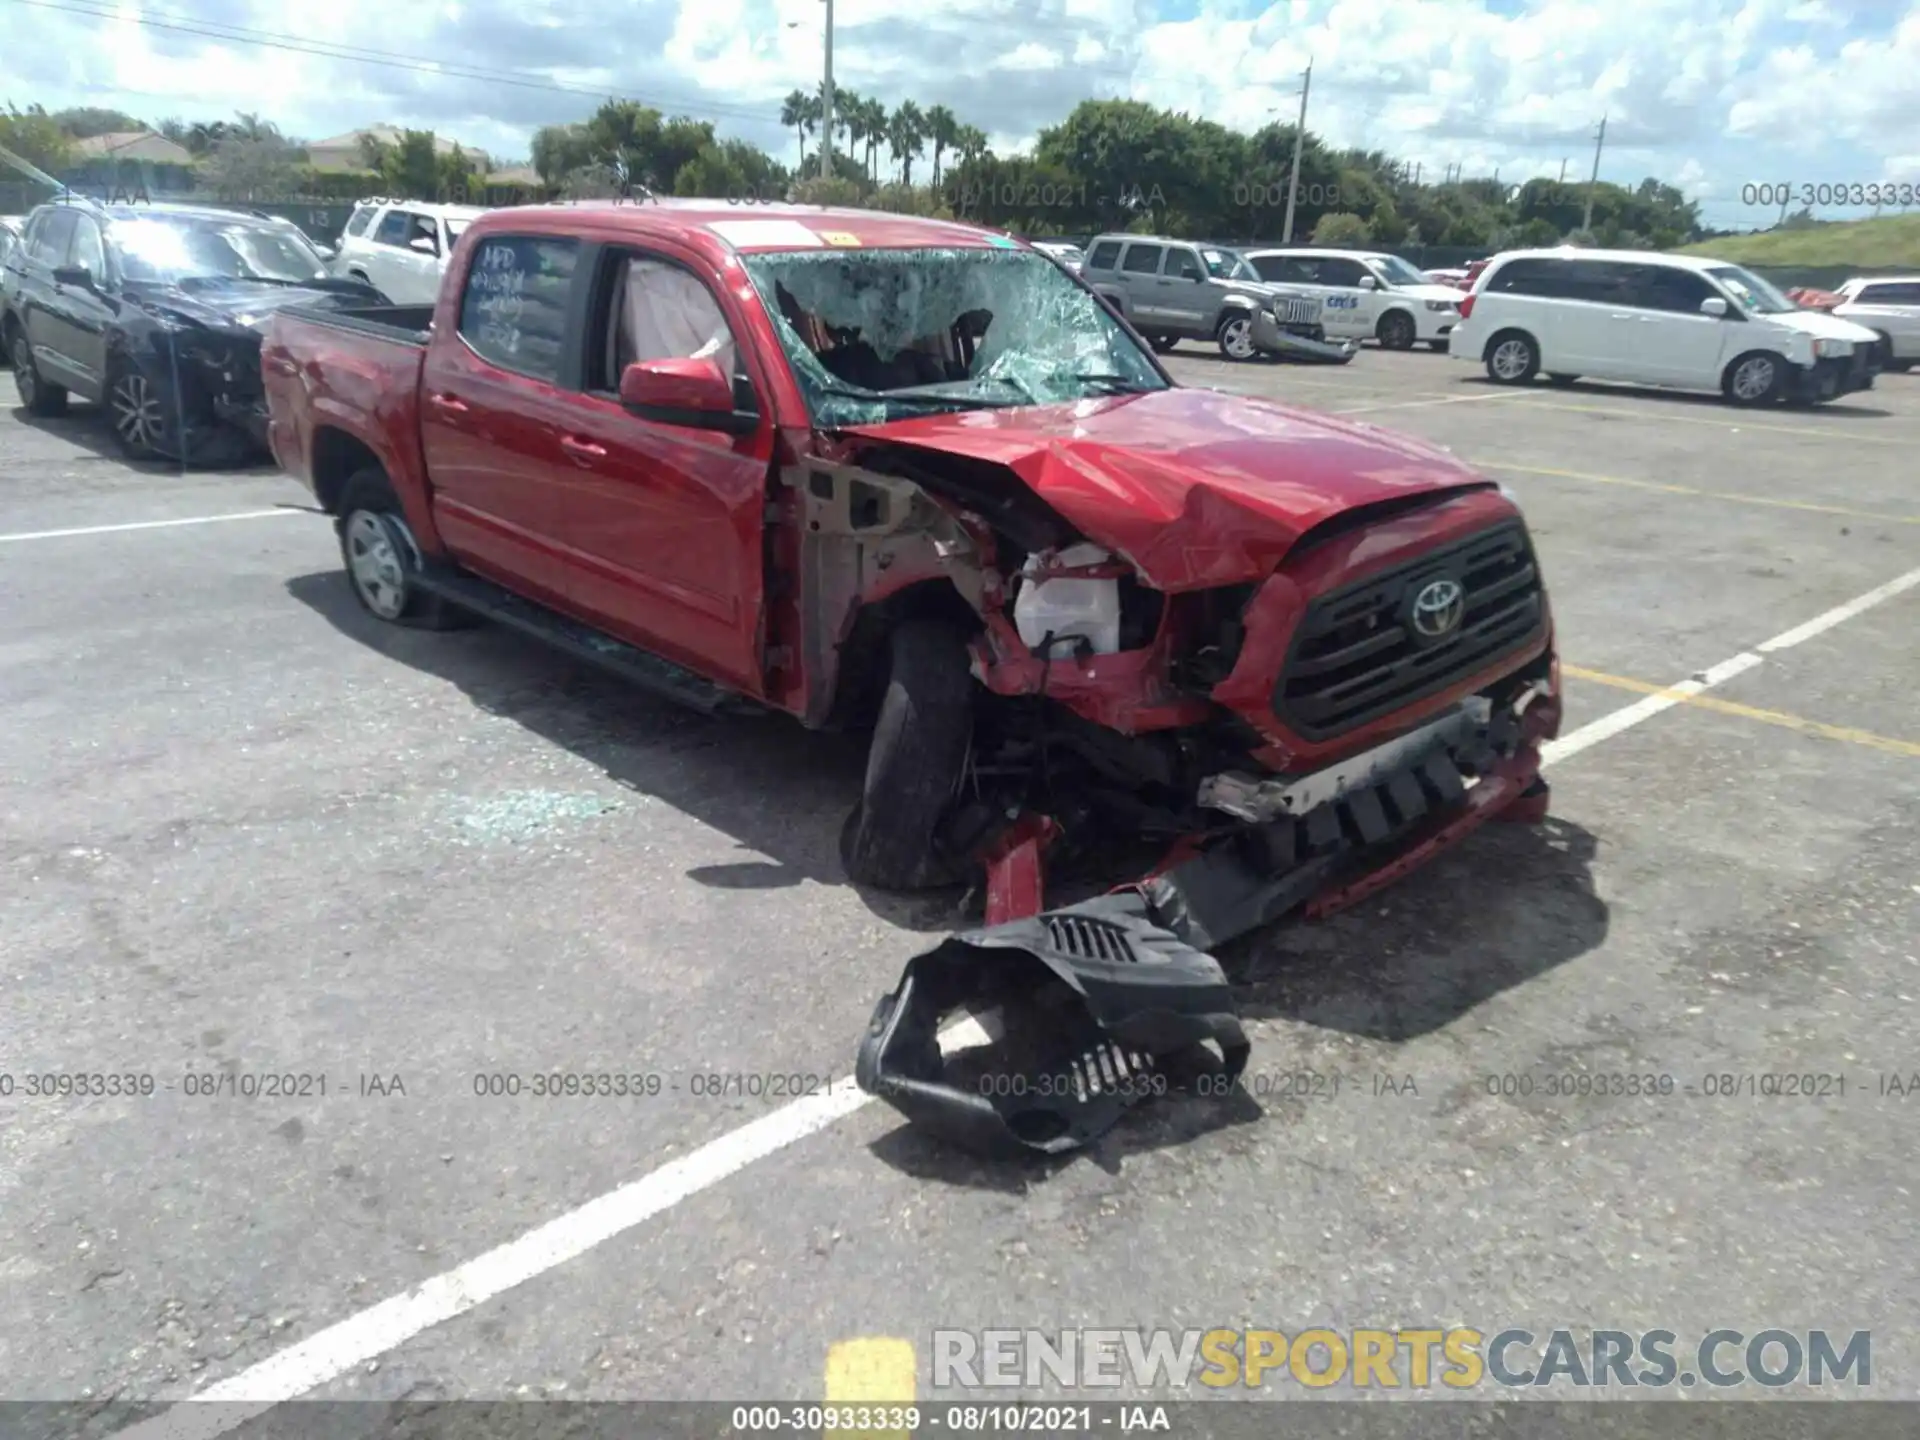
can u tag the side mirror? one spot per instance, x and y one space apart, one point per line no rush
78 276
1367 282
421 245
1713 305
689 392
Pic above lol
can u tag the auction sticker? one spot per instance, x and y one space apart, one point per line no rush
839 237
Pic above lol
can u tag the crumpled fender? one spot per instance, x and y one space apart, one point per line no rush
1092 998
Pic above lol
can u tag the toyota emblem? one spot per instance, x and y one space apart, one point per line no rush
1438 609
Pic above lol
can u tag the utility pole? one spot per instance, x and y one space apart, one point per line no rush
1586 220
1563 169
1299 137
826 104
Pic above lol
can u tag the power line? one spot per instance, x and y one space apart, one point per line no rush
300 45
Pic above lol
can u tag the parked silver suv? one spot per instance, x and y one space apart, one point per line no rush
1174 290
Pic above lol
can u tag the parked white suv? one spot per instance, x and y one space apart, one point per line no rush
401 247
1681 321
1888 305
1367 295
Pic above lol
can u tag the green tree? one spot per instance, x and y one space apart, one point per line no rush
906 137
83 122
679 140
559 150
625 136
873 121
1342 228
35 137
798 115
942 133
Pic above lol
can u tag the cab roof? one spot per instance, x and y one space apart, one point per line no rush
757 228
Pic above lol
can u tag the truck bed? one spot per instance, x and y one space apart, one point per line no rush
408 324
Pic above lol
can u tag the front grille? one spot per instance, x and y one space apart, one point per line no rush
1297 310
1356 656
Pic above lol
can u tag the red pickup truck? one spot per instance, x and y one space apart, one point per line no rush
907 474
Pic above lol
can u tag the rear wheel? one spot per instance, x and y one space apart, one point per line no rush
1396 331
1235 335
1512 358
914 764
383 563
37 397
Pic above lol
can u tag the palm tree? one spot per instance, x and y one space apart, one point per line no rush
944 131
873 119
796 111
906 133
971 143
849 110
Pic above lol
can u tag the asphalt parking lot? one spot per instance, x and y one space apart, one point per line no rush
247 832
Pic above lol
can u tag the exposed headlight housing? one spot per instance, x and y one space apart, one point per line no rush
1442 306
1832 347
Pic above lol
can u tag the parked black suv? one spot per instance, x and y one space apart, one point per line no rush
156 312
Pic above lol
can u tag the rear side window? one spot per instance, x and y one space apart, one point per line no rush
513 311
1529 277
1105 255
1142 260
1889 295
1283 269
361 218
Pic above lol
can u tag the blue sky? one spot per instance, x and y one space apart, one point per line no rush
1712 95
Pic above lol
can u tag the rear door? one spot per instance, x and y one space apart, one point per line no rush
1139 279
1351 310
497 393
84 316
43 301
666 522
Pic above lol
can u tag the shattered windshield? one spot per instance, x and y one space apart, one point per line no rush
169 251
876 335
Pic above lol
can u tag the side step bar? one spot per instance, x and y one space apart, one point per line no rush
582 642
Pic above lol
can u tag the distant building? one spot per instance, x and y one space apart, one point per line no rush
142 147
348 151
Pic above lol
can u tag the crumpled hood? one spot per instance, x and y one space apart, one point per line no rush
1823 326
244 306
1196 488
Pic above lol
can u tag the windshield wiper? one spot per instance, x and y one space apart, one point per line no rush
1117 384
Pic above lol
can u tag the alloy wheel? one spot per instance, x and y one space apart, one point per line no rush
1754 378
1510 359
137 417
1236 338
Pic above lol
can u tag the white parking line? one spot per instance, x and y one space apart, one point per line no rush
332 1352
1439 400
152 524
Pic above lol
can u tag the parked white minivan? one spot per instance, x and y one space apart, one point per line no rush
401 247
1680 321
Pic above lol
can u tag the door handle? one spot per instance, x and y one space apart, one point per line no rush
451 403
280 365
582 450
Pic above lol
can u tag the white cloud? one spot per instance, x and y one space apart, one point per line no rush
1708 94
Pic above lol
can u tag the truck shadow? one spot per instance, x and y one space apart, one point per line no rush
86 427
779 790
1511 903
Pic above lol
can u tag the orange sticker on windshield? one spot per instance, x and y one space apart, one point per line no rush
839 237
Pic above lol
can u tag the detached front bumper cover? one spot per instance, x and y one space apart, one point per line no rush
1096 1000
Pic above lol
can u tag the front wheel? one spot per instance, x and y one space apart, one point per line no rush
137 414
1235 335
914 764
1396 331
383 563
1756 378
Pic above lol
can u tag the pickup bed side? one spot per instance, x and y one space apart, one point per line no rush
343 390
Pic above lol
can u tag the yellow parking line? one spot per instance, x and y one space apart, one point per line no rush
1738 495
875 1370
1650 413
1748 712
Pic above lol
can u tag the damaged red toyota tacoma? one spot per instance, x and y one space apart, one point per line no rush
913 476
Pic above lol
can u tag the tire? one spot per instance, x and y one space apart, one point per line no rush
1755 378
1561 378
1162 343
1396 331
915 763
137 414
382 561
1513 358
37 396
1234 335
